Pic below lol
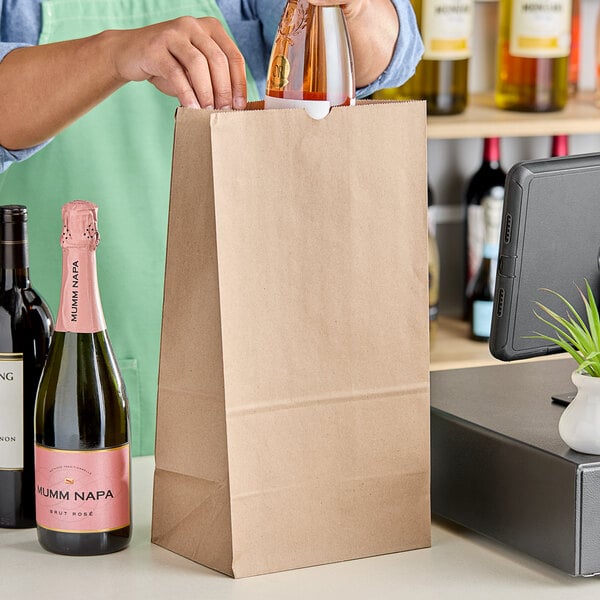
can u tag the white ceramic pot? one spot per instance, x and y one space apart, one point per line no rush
579 425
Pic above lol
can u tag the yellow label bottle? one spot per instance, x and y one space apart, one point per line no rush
442 75
534 41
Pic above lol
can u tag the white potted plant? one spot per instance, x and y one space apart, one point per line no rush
579 425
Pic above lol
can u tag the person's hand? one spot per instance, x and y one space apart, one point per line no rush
192 59
351 8
373 27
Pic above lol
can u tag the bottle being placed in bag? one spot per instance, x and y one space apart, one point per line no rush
481 286
311 64
82 459
534 42
488 180
25 331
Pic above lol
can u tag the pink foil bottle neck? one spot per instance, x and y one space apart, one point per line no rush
80 225
80 309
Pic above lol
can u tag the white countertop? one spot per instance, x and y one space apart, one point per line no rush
460 565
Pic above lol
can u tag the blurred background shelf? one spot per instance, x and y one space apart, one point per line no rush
453 348
482 119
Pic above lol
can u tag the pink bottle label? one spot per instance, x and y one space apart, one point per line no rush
82 491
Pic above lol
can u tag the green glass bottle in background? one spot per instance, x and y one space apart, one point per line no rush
534 42
441 78
481 287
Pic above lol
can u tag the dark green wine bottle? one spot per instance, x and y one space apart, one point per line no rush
25 330
82 469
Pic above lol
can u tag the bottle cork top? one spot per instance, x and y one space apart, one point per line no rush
80 220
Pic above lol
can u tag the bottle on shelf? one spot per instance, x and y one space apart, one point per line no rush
441 77
481 286
534 42
82 459
25 332
575 50
311 63
433 257
560 145
487 181
597 95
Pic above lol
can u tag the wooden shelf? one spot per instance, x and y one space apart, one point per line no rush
452 348
483 119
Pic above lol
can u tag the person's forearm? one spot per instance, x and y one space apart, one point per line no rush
45 88
373 29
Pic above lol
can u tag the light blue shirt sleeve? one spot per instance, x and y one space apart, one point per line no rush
19 31
407 53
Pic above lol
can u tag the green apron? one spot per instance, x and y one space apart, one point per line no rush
118 156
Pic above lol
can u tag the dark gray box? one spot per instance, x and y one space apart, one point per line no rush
500 468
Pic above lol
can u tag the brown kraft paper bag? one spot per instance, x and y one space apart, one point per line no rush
293 404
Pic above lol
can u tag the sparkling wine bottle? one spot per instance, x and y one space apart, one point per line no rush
487 181
25 330
560 145
82 455
311 64
481 287
534 43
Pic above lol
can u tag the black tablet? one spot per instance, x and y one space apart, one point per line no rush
550 238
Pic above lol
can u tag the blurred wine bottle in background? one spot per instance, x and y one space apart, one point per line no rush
597 63
481 287
441 77
433 256
534 42
25 331
487 181
560 145
575 50
311 63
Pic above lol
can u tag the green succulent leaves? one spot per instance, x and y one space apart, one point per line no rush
580 340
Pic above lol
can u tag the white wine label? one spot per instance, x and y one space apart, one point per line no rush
475 238
11 411
446 28
540 28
